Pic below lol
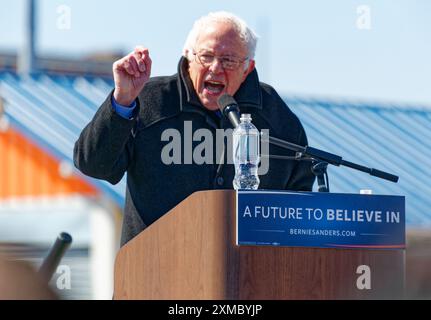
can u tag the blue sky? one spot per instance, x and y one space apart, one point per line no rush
305 47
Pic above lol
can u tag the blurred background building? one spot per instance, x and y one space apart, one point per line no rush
47 99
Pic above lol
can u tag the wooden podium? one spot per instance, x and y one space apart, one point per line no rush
190 253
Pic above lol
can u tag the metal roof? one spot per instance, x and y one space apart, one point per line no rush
52 111
395 139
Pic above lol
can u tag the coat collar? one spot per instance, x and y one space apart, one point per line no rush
248 94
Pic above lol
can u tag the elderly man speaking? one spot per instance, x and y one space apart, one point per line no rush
125 134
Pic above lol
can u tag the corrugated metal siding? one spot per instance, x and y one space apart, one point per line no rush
397 139
390 138
53 110
25 170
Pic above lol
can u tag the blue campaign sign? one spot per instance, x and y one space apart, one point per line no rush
324 220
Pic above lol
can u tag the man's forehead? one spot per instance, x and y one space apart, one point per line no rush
220 37
220 28
226 50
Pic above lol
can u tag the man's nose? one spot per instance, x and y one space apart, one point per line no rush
216 66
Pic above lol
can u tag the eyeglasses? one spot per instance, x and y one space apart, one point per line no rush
228 62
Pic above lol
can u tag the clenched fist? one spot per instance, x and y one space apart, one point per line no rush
130 75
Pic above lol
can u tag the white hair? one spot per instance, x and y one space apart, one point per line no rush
246 34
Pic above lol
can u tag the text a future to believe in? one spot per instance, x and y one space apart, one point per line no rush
328 214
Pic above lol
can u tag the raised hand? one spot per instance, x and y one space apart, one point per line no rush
130 75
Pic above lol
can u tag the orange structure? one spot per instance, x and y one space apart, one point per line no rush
27 170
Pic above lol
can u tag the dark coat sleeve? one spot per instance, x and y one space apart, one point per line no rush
105 146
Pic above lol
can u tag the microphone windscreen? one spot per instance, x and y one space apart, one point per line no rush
225 100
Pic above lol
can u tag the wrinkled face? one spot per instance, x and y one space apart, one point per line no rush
218 39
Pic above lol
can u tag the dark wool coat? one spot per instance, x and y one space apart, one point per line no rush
110 146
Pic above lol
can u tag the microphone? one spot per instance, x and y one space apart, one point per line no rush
229 108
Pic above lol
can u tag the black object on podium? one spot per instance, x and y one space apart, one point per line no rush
51 262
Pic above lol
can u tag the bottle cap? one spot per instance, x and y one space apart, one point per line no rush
245 116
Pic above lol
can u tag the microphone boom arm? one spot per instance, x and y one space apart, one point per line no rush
230 109
329 158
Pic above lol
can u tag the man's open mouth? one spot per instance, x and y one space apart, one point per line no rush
214 87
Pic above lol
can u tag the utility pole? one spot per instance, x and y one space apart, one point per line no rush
27 55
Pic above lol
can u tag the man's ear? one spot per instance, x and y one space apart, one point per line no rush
250 68
186 54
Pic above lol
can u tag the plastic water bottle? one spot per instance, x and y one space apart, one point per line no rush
246 154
